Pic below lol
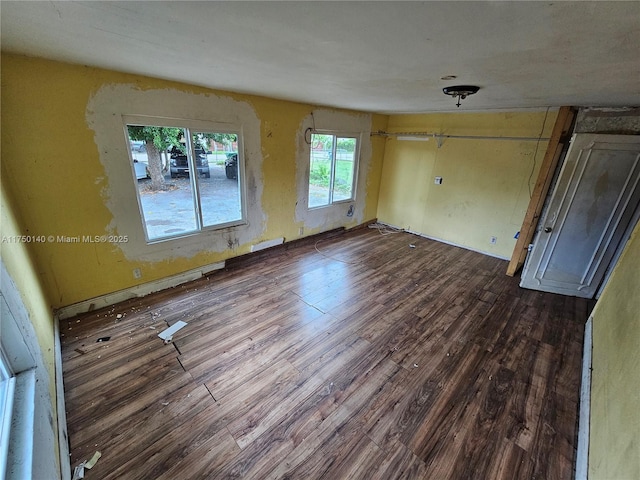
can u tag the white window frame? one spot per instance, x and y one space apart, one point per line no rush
190 126
7 393
356 159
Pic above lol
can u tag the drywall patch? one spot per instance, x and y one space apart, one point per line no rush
341 214
104 115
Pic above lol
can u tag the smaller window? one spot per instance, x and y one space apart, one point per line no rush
333 162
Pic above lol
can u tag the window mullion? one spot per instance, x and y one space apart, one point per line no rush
332 178
193 177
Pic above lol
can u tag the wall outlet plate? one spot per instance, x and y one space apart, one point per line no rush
438 181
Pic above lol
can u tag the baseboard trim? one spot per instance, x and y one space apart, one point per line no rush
136 291
446 242
267 244
63 437
582 455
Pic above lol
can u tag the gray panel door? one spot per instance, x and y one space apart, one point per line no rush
591 206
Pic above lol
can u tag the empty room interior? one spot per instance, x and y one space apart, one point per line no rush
303 240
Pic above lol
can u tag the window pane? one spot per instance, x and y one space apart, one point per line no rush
220 170
164 187
345 168
320 170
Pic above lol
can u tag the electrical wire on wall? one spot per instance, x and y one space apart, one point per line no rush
535 154
309 131
385 229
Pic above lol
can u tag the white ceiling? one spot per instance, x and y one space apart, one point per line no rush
369 56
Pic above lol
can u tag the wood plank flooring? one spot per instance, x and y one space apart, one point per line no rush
358 357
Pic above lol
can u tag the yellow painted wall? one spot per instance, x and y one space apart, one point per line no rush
614 451
486 184
50 157
19 265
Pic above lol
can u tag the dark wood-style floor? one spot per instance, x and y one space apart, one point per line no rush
362 359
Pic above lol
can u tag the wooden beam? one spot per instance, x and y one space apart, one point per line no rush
559 137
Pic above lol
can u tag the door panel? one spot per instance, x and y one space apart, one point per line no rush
594 199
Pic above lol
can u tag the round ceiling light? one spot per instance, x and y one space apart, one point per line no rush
460 91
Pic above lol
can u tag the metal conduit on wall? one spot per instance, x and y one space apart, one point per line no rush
439 137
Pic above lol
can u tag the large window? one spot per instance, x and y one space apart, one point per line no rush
332 170
188 176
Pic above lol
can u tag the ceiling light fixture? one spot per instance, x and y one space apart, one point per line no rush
414 138
460 91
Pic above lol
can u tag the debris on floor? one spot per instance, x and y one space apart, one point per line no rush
167 335
103 339
78 472
93 460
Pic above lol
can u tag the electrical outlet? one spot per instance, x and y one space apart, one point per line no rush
493 240
438 181
301 231
137 273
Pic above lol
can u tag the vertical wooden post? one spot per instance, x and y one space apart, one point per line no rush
559 137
